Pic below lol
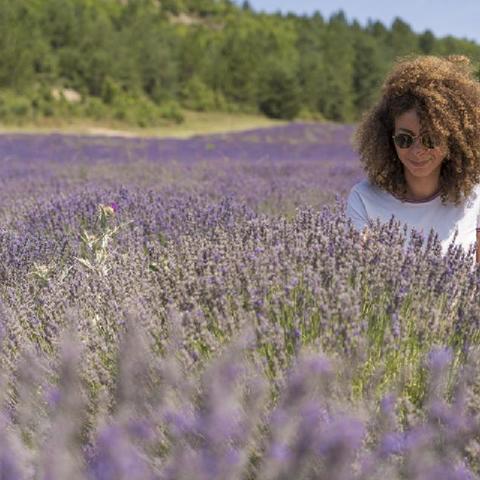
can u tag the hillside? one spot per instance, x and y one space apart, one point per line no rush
146 62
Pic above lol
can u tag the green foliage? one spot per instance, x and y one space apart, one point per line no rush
401 39
426 42
336 96
21 45
197 96
209 7
311 69
368 72
279 95
137 109
14 107
170 110
95 108
152 44
139 60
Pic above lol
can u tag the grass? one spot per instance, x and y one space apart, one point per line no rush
196 123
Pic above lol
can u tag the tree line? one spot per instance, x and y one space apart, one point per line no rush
143 60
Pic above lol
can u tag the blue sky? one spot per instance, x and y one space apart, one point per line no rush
460 18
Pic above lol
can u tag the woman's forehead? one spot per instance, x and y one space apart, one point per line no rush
409 120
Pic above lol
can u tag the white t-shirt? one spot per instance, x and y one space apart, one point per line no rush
366 203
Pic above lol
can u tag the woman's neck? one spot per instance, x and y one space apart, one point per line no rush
422 188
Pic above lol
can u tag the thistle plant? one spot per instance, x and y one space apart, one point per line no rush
95 247
42 273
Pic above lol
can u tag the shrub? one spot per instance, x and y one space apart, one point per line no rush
279 94
93 107
197 96
171 111
14 107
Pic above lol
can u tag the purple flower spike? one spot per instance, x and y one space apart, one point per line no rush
392 444
439 358
387 403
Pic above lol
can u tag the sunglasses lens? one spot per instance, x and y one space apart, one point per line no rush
427 141
403 140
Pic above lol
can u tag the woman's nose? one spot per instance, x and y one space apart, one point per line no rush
418 148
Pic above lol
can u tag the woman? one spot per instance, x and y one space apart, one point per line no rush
420 148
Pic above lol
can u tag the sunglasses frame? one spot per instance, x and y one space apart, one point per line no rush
425 140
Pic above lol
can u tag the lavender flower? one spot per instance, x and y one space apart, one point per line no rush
236 326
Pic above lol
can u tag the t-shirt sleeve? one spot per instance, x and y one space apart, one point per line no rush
356 210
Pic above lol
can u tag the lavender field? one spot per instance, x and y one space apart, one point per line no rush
202 309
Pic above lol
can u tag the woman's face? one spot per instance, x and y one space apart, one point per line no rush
418 160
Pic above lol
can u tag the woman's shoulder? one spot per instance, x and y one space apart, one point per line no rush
476 192
366 200
473 200
366 189
362 186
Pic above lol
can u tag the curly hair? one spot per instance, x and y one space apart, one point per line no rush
446 97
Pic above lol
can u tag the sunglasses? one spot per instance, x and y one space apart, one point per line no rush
405 140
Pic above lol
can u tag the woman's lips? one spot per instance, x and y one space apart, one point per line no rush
419 164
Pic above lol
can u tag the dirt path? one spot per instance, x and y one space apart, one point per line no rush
195 124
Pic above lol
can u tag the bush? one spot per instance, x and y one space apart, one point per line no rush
198 96
136 108
14 107
110 91
307 114
95 108
126 108
43 104
279 94
171 111
131 108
